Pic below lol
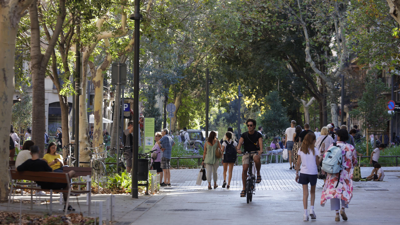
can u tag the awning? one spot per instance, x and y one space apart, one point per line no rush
105 120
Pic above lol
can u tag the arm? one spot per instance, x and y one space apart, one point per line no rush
260 143
370 161
284 143
204 153
298 168
219 145
239 145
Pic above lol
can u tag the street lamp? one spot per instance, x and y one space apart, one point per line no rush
240 95
134 171
208 82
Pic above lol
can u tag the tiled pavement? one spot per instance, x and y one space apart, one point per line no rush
274 177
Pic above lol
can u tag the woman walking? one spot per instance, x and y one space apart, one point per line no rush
212 145
296 144
230 154
342 193
308 159
157 161
54 159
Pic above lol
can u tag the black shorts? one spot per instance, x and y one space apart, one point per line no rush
374 162
54 186
307 178
157 166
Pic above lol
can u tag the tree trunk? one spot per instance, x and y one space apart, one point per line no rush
84 153
335 118
178 102
64 122
306 107
98 103
38 90
10 15
394 9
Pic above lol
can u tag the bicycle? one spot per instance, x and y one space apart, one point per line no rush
251 178
97 162
70 159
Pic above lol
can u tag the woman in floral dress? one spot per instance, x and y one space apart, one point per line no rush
343 193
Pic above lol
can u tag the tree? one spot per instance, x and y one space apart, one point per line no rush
372 107
11 12
275 119
21 117
38 68
394 6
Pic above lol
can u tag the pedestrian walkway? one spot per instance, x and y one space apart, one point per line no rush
278 200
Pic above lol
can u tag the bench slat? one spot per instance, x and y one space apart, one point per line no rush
51 177
79 171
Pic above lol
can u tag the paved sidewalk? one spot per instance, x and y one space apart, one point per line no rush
278 200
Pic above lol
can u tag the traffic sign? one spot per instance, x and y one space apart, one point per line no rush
127 107
171 108
170 115
391 105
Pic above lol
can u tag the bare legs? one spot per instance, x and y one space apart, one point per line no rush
230 172
305 195
161 176
167 176
225 169
290 158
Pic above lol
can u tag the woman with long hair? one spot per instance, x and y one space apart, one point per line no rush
308 160
212 145
54 159
230 154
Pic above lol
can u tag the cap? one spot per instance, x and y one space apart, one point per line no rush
329 126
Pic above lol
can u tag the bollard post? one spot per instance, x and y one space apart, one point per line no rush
101 213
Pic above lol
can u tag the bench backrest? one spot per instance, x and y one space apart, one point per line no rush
51 177
79 171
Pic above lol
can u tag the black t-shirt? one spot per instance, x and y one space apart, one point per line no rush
37 165
251 141
303 134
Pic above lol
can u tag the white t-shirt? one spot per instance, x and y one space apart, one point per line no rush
290 132
380 171
22 157
186 135
317 134
230 141
376 155
308 162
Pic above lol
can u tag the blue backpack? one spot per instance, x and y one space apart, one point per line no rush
332 162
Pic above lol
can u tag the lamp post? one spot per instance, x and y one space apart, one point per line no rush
208 82
240 95
137 17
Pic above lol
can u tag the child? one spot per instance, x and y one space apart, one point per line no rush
376 153
377 173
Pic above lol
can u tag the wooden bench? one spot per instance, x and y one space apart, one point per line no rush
82 172
51 177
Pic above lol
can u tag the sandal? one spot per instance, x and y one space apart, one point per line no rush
215 186
227 187
224 184
243 193
258 179
209 187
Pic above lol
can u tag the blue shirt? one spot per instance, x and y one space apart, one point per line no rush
166 143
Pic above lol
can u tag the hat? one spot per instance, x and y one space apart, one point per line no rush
329 126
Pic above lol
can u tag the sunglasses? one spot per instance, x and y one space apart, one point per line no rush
251 125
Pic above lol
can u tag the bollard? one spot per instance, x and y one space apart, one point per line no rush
101 213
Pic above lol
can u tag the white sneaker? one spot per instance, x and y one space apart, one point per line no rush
40 193
305 218
313 215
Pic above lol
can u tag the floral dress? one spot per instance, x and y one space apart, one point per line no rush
344 190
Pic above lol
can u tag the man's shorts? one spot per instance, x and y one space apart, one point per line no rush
165 163
246 157
307 178
128 157
374 162
289 145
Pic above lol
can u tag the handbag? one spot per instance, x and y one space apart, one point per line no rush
154 155
285 154
204 176
357 171
218 153
199 177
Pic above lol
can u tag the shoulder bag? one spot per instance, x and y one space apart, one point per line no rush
321 174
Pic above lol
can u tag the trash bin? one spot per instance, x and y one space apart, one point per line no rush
143 169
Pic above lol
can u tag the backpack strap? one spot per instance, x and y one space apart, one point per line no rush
322 141
340 146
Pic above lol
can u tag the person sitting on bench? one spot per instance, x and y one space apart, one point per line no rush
37 165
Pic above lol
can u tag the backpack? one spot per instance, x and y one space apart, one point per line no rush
230 152
332 162
183 136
